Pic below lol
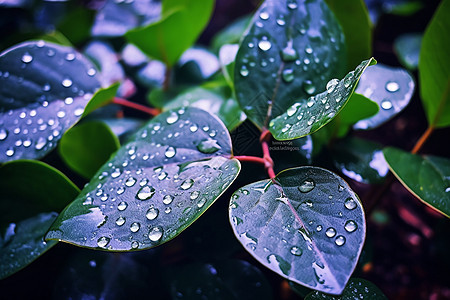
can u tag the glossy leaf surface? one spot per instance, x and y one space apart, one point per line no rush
155 186
407 47
86 147
356 289
391 88
306 117
426 177
286 47
43 91
31 194
102 97
308 227
175 32
434 71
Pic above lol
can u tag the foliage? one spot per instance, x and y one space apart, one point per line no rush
295 75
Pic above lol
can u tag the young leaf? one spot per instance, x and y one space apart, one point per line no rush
308 226
306 117
434 72
287 45
44 88
175 32
407 47
357 27
102 97
426 177
356 289
86 147
391 88
31 194
154 187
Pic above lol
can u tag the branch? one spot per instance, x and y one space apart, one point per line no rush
149 110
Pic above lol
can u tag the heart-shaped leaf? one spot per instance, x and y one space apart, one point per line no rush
290 51
43 91
434 72
428 177
306 117
87 146
308 226
154 187
391 88
407 47
32 193
356 289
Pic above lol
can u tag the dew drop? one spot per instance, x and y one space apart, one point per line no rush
172 118
91 72
120 221
208 146
130 181
350 204
194 195
292 4
3 134
386 104
152 213
9 152
103 241
340 240
309 87
201 202
319 228
67 82
122 206
350 226
331 85
193 128
167 199
134 227
281 22
264 15
348 79
187 184
340 188
120 190
168 210
292 110
288 75
244 71
70 56
27 58
330 232
155 234
392 86
307 186
264 44
116 173
170 152
145 193
135 245
40 143
296 251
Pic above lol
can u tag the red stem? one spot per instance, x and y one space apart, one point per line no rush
254 159
268 162
149 110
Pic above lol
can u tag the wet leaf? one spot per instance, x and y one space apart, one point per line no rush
175 32
31 194
291 51
154 187
44 88
407 47
357 27
360 160
87 146
427 177
308 226
308 116
226 279
356 289
434 73
391 88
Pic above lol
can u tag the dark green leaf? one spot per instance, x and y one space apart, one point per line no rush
403 8
31 193
355 22
428 177
306 117
175 32
391 88
291 51
77 24
231 34
86 147
308 226
154 187
44 88
407 47
102 97
227 280
434 71
356 289
360 160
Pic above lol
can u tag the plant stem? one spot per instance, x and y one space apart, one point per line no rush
254 159
167 75
268 162
422 139
149 110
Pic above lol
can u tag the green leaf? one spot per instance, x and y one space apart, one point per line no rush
31 194
77 24
231 34
407 47
44 88
355 22
214 101
356 289
86 147
175 32
225 279
227 55
360 160
154 187
286 47
391 88
434 71
306 117
426 177
102 97
308 226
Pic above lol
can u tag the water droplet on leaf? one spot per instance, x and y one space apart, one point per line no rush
145 193
155 234
307 186
350 226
